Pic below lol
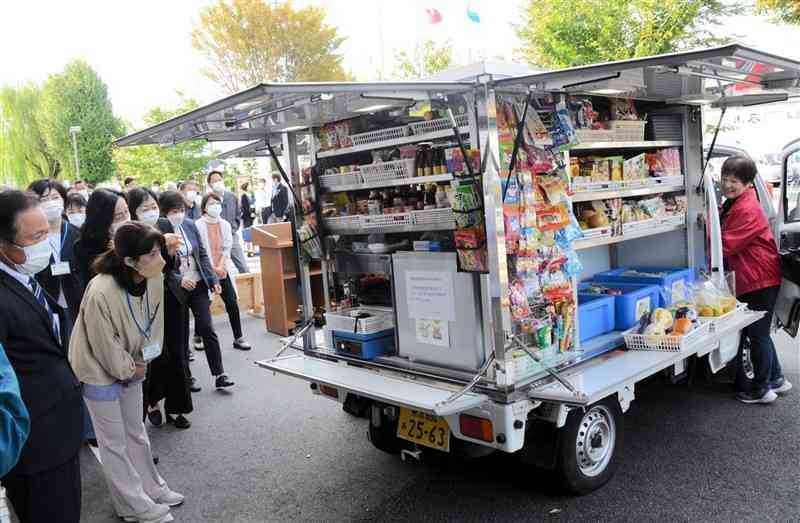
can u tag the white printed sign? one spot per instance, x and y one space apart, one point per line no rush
429 295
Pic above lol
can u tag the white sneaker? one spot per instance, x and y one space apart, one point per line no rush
171 499
785 387
750 398
157 514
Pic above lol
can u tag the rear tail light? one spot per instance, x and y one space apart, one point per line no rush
476 428
329 391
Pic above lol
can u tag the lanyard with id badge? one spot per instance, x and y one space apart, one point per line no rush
151 350
60 268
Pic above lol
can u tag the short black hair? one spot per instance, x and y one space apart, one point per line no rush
183 184
212 173
209 196
157 182
40 187
12 204
136 197
245 186
99 217
171 201
129 179
740 167
75 200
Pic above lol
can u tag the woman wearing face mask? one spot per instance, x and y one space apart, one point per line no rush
749 249
120 329
105 212
217 240
168 375
197 279
60 279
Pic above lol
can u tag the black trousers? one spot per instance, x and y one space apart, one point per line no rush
200 304
50 496
766 366
231 306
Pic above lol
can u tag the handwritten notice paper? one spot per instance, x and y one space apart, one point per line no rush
429 295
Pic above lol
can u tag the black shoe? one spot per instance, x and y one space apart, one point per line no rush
765 396
92 442
194 387
222 382
198 343
155 417
155 460
241 344
191 356
180 422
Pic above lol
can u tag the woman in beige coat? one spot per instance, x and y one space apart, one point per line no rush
120 328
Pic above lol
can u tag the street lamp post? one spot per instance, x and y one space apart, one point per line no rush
73 131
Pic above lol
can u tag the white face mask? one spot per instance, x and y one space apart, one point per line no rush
53 209
176 218
37 258
218 187
77 219
191 195
214 210
149 217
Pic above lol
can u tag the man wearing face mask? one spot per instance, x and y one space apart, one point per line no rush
45 485
80 187
231 213
61 279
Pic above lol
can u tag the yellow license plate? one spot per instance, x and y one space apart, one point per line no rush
424 429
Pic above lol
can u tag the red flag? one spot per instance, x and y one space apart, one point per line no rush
434 16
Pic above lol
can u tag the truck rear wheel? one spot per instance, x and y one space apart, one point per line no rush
589 446
382 432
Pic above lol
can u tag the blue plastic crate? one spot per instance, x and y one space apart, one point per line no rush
673 282
247 234
635 300
364 346
595 315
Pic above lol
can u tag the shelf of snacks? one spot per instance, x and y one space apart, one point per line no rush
603 146
627 188
650 228
436 178
345 143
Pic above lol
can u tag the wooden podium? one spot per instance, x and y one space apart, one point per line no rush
279 282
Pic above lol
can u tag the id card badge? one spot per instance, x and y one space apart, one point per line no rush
151 352
60 269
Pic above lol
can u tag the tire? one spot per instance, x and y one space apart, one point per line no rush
385 438
599 427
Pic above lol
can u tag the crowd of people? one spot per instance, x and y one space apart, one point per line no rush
96 289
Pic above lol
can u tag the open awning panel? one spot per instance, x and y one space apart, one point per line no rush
375 385
742 74
276 108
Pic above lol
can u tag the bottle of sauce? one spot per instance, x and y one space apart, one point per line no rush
430 197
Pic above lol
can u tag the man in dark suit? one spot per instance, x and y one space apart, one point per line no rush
45 486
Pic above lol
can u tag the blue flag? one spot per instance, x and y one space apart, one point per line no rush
473 15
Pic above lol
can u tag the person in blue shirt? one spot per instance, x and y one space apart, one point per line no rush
14 420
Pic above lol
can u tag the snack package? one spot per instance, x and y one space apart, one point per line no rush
552 217
616 163
553 187
635 168
623 109
535 131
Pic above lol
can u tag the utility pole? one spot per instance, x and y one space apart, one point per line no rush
73 131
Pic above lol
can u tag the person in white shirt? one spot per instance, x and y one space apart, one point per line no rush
217 238
261 197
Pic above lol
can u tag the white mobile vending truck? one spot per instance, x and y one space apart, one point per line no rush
423 319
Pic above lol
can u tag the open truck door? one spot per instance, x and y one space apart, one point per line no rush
787 234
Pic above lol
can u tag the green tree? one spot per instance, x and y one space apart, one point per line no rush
786 11
148 163
77 96
423 60
562 33
24 155
247 42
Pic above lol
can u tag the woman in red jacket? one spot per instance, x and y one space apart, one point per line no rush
749 249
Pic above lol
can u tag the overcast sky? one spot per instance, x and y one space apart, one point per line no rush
142 49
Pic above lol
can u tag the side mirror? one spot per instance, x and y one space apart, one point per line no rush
791 187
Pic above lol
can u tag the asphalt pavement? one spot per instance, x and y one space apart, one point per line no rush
270 451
